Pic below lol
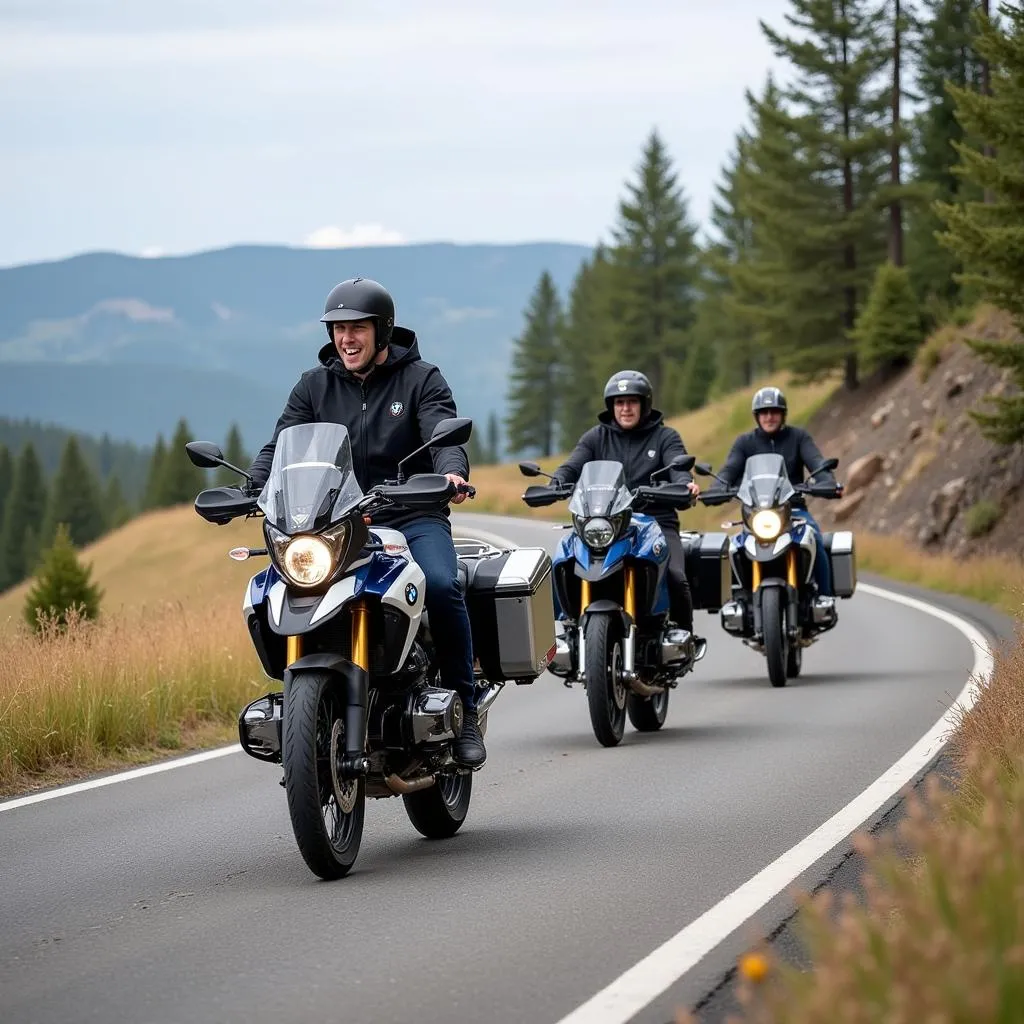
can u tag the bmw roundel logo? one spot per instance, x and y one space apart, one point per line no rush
411 593
659 546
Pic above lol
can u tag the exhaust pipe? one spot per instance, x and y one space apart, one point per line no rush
645 689
401 787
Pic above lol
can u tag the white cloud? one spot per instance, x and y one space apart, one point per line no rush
332 237
152 252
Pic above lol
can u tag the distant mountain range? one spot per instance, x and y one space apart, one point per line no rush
106 343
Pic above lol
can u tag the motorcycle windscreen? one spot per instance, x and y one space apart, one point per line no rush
600 491
765 482
312 482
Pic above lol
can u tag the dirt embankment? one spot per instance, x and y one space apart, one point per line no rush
915 464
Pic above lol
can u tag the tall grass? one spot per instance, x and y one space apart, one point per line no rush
120 689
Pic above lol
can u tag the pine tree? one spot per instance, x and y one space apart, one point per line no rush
889 328
536 371
989 236
786 293
589 348
493 439
116 509
656 269
235 453
839 118
105 457
23 517
151 497
943 52
63 585
6 483
74 499
180 481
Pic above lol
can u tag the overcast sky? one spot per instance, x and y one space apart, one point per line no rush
166 128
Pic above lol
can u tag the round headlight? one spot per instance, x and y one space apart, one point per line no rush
766 524
598 533
308 560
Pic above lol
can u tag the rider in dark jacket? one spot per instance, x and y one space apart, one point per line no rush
372 380
632 432
773 436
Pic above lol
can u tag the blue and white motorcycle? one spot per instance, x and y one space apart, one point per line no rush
611 596
775 607
339 617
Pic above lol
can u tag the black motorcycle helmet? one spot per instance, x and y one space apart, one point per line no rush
360 298
626 383
768 398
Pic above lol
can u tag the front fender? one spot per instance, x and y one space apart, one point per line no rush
354 686
605 607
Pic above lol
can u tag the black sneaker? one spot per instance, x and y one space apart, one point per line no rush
468 749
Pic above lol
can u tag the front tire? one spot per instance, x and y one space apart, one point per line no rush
327 813
776 642
647 713
438 812
606 692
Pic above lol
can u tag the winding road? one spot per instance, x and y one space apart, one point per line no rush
179 896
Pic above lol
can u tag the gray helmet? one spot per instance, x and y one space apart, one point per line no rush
626 383
769 398
359 298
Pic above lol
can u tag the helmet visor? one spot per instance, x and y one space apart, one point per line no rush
337 315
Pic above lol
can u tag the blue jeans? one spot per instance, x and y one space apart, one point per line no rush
431 545
822 565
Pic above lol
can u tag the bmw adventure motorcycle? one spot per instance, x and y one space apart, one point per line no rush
611 596
775 607
339 618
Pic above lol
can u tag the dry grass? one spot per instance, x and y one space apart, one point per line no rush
939 936
123 689
995 581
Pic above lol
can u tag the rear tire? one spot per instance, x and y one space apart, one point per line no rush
438 812
606 693
795 661
327 813
776 642
647 713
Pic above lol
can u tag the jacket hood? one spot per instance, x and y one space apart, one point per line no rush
404 348
653 419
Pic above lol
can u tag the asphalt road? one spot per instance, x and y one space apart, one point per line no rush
181 897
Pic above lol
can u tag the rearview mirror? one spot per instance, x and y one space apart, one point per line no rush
529 469
452 432
204 454
683 462
702 469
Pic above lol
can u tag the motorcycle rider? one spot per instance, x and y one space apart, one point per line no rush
773 435
371 379
634 433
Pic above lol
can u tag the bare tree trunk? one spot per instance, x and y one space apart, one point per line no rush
896 208
849 251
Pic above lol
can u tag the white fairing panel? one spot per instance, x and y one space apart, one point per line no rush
275 601
341 592
393 540
406 595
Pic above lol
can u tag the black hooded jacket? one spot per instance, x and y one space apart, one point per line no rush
388 415
649 446
794 444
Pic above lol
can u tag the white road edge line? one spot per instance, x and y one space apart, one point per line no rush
109 780
623 998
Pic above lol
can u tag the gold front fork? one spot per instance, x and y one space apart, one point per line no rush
791 567
629 598
293 649
755 569
361 635
584 596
